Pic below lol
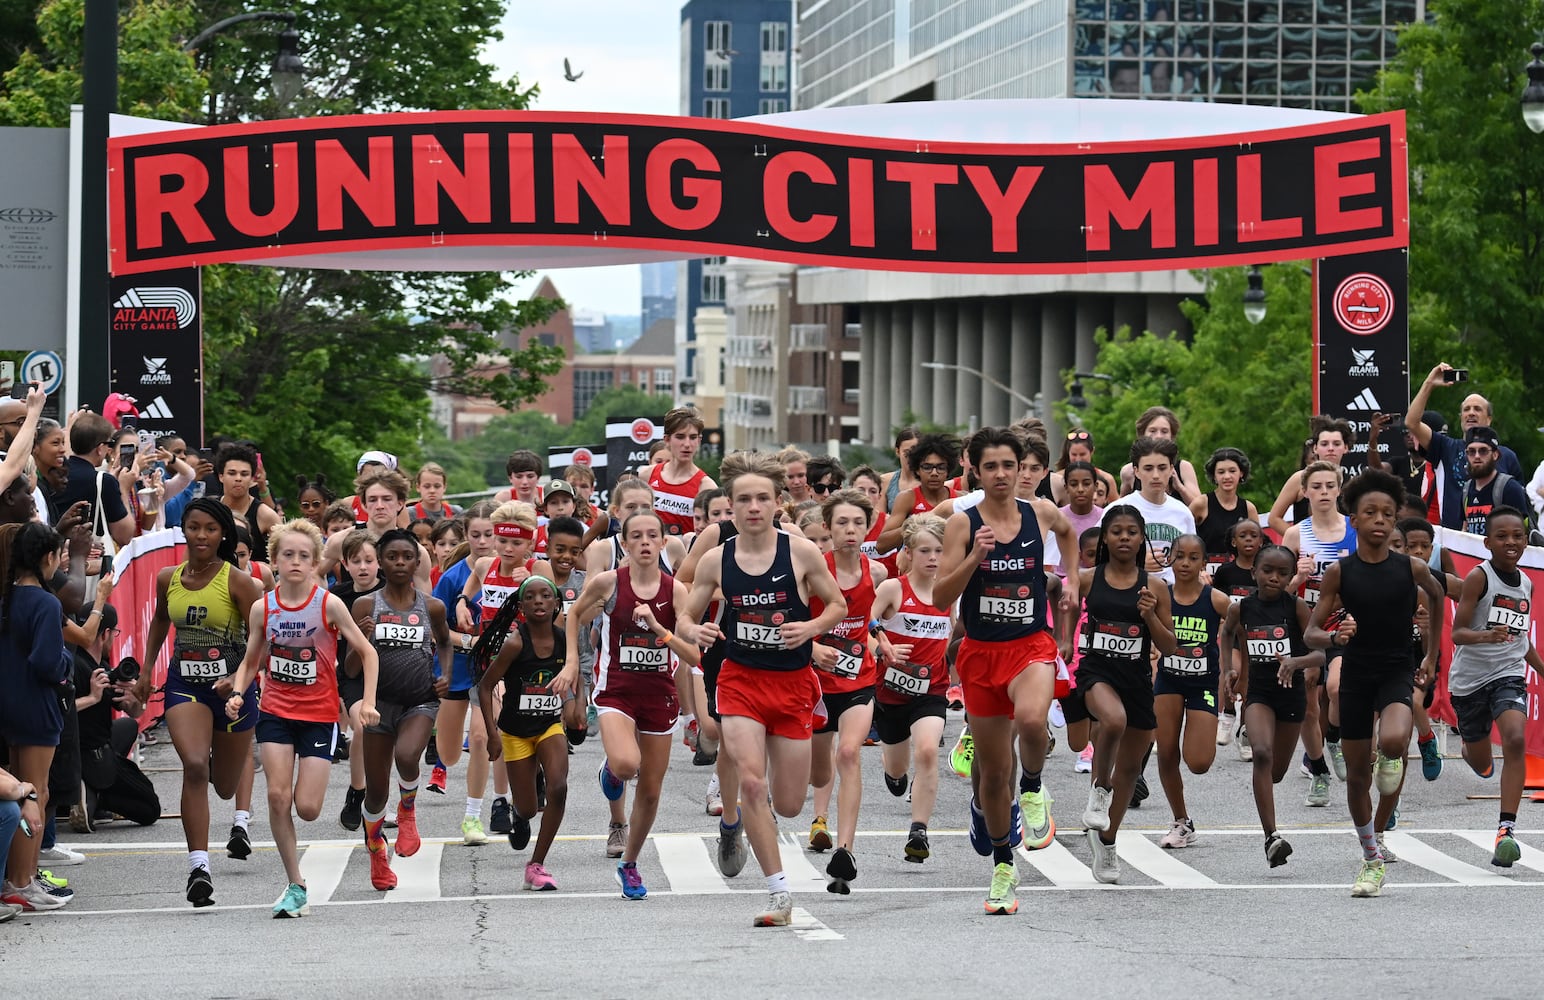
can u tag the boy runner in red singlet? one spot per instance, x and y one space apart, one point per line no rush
677 481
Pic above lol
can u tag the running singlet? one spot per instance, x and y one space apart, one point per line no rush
854 667
673 501
539 546
755 606
404 647
210 634
1213 529
496 589
617 555
300 680
1270 630
530 707
1508 605
633 661
1114 634
1004 599
926 629
422 513
1234 580
1195 628
1322 553
1381 596
259 537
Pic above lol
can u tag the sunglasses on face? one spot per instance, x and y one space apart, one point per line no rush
824 488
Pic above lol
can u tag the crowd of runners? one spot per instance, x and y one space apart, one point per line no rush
779 619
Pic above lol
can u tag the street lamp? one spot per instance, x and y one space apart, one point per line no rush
1075 397
1254 296
287 75
1533 94
1032 406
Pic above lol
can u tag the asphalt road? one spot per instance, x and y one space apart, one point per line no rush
1211 920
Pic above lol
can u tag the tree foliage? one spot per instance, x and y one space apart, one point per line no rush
318 365
1476 204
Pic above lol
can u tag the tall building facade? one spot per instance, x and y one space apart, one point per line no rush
657 292
736 62
1026 330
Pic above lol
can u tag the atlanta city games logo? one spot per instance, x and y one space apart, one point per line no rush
1363 303
150 305
1362 364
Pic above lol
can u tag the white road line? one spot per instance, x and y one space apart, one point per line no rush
1487 840
418 877
1417 853
802 875
1056 863
1157 864
322 868
809 929
688 867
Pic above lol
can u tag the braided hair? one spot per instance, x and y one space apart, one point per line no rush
496 631
224 517
319 484
1102 551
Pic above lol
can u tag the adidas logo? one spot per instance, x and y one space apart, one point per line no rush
152 304
155 372
157 410
909 603
1362 363
1364 401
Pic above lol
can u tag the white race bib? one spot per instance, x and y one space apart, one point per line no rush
1516 622
635 652
906 678
762 636
202 669
539 701
399 635
291 665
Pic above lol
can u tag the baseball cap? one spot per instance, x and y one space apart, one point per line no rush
109 616
1484 435
557 486
379 458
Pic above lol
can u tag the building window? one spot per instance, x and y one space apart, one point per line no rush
547 339
716 38
664 381
771 106
715 107
643 379
589 383
712 287
774 36
774 76
715 74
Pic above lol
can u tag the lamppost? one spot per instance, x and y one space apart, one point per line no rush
1254 296
1533 94
288 73
1032 405
99 98
1075 397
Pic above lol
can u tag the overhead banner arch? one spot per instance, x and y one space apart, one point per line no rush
1128 186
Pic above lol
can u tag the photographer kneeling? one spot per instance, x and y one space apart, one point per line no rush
112 782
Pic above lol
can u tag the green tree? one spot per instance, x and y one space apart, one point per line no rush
1476 204
318 365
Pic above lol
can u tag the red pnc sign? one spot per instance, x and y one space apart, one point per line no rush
700 187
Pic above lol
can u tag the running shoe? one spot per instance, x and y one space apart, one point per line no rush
537 879
51 881
1277 850
1369 880
779 912
1431 759
1000 899
979 838
8 911
917 849
1241 743
714 800
591 721
1106 864
382 877
1140 792
432 750
690 737
704 758
1084 764
1388 855
292 903
239 846
471 831
1097 815
408 841
616 840
843 870
466 743
1318 791
1039 829
56 891
820 836
872 739
630 881
731 850
200 887
341 749
60 856
1388 772
353 809
437 780
31 896
611 786
1393 819
520 834
1182 833
1015 824
1507 851
1225 724
956 697
897 786
83 812
1337 758
964 753
1303 767
502 820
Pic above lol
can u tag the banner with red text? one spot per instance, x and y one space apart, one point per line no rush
134 572
456 190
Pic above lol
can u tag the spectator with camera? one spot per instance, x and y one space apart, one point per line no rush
111 783
1446 453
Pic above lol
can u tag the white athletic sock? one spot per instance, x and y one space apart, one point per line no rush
408 786
473 808
778 882
198 859
242 818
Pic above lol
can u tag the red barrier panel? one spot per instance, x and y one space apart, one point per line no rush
135 568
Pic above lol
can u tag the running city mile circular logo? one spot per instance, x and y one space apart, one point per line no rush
1364 304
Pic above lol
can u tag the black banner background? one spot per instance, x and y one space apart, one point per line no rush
1362 345
156 350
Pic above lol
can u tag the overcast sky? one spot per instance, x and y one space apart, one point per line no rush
629 52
